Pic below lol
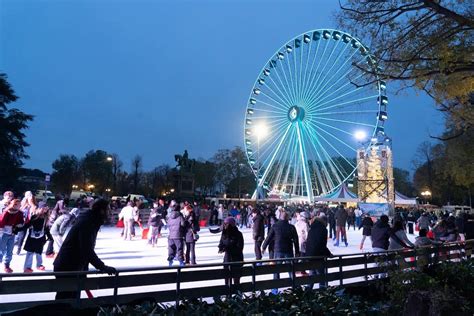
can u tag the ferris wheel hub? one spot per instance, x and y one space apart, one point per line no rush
295 113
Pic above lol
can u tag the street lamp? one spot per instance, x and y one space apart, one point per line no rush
110 158
426 194
260 131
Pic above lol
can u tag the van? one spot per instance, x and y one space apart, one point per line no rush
44 195
77 194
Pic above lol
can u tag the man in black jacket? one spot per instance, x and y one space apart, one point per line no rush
77 250
258 232
176 233
285 238
316 246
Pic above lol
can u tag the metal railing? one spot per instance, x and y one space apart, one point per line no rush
172 284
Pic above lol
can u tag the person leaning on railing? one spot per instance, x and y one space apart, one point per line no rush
316 246
77 250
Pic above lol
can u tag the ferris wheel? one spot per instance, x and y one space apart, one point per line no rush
310 101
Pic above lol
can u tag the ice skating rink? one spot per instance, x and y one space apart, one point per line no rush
122 254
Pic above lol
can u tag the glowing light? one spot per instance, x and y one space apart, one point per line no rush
360 135
261 130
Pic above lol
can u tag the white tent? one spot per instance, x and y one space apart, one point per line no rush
401 199
341 195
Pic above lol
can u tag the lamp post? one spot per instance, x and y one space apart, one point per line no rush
260 131
238 176
113 160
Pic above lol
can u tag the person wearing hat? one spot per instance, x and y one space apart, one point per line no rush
77 251
232 245
11 220
176 234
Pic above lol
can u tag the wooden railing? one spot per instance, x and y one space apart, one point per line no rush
172 284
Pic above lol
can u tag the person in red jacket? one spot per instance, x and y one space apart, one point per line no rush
11 221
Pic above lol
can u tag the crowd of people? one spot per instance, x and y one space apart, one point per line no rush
285 232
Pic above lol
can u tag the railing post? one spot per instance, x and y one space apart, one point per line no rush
229 280
116 279
78 296
253 277
178 285
341 282
366 267
293 274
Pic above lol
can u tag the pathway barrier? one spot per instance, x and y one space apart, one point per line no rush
172 284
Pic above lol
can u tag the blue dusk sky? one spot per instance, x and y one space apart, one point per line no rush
155 77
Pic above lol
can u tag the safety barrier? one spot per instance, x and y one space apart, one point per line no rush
172 284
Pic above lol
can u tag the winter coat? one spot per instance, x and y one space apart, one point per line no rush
190 223
176 225
232 244
11 221
285 237
367 225
425 241
258 228
57 211
154 220
316 244
36 235
77 250
128 213
341 217
424 222
60 225
396 238
302 229
380 235
331 217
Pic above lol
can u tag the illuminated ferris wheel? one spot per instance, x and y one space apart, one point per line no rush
309 100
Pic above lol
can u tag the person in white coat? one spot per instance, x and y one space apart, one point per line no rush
128 214
302 229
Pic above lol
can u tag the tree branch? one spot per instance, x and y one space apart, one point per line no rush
435 6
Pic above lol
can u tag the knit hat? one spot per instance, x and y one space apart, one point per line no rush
230 221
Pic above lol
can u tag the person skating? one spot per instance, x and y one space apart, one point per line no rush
154 222
316 246
366 225
128 215
37 234
258 232
232 245
11 220
176 226
77 251
285 238
60 208
28 204
59 227
381 234
398 238
341 219
190 221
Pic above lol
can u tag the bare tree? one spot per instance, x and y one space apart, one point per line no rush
136 170
423 44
